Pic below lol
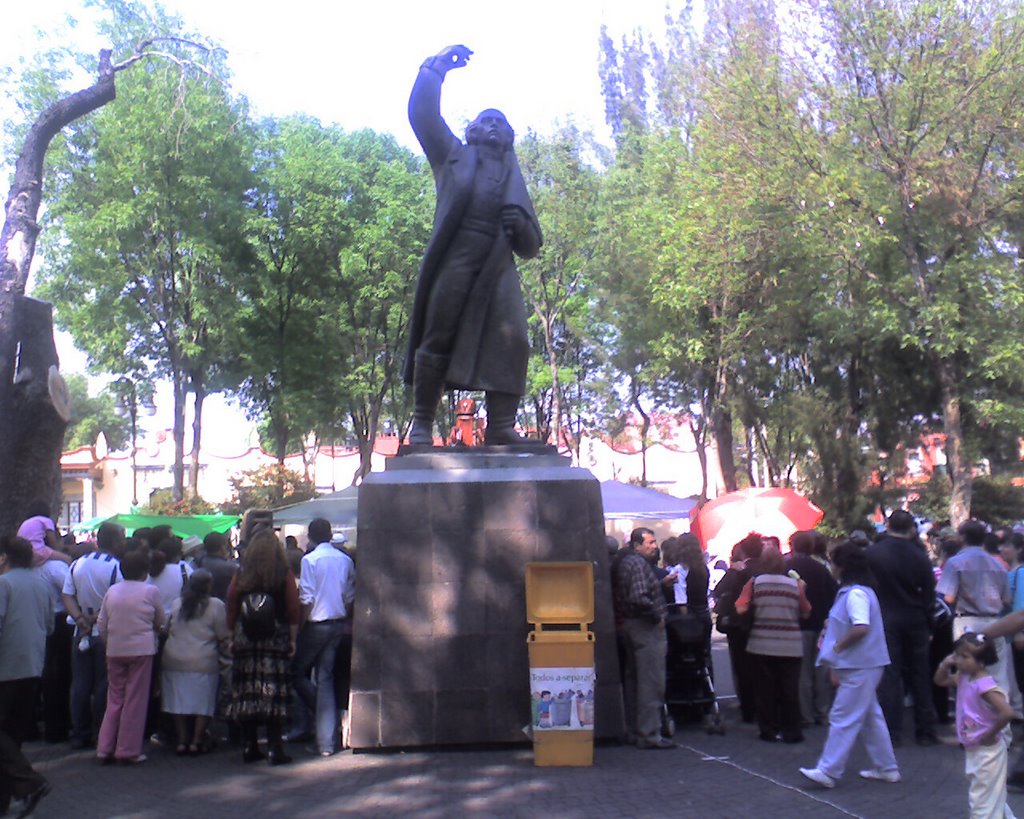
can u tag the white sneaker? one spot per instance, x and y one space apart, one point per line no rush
820 777
881 776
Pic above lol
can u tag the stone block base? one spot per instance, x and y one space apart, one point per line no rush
440 654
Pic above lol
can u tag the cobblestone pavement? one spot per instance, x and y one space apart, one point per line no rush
735 775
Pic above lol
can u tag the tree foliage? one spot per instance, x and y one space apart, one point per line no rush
146 239
828 226
91 415
336 225
806 244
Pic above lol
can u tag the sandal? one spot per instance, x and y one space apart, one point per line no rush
181 750
194 750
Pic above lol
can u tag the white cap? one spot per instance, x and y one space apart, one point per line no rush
338 539
190 544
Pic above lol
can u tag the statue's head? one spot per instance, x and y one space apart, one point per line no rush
490 128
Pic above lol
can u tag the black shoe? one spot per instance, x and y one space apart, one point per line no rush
252 753
33 799
764 736
278 757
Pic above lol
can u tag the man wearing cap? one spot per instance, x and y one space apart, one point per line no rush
326 592
468 327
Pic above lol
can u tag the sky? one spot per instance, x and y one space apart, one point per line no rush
352 63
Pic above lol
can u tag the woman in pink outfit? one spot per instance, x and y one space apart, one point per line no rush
131 616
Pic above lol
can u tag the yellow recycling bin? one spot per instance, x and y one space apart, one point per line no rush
560 605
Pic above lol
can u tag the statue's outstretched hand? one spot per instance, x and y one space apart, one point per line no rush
454 56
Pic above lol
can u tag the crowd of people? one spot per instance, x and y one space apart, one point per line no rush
112 644
126 640
844 634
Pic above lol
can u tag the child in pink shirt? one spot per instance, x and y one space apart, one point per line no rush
130 618
982 712
38 529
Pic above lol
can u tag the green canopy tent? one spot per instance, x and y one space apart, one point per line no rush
183 525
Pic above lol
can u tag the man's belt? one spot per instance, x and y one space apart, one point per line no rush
973 614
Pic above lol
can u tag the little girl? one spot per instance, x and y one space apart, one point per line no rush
131 617
982 712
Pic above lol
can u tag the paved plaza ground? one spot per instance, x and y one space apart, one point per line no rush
735 775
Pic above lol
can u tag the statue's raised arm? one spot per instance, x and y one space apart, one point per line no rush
425 102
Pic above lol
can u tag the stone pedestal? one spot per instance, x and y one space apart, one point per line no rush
440 652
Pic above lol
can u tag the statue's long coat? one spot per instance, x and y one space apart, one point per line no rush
492 347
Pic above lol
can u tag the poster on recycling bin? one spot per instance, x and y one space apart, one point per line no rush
562 698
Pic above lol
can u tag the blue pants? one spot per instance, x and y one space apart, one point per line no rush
318 648
88 691
856 713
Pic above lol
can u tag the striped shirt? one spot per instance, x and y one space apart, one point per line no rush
778 602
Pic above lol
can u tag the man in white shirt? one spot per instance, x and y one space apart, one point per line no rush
88 580
326 591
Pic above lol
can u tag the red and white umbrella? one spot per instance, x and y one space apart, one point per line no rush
723 522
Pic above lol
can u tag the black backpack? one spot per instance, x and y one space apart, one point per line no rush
727 619
259 620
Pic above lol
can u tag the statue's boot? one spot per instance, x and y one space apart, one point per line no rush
501 420
427 388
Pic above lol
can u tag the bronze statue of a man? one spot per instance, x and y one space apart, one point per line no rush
468 328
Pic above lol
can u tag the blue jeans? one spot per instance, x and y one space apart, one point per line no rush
88 691
317 648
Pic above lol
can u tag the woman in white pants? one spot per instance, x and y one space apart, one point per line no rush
854 650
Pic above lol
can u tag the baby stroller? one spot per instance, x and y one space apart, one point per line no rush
689 681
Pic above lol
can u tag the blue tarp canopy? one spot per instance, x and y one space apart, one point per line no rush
623 501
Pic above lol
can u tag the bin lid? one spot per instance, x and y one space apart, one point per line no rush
559 593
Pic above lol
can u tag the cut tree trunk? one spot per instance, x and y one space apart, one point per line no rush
31 425
39 411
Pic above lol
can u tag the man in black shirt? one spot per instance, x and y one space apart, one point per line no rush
906 593
815 686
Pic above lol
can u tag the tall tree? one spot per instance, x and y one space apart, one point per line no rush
565 190
338 222
387 206
294 222
149 215
919 104
32 393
